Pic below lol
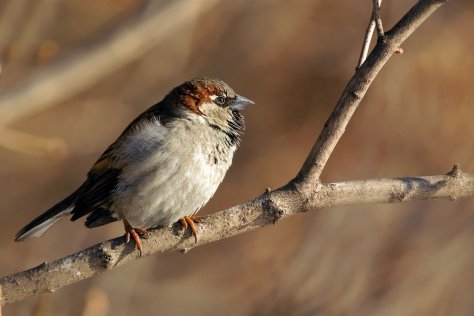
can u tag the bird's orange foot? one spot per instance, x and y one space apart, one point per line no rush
134 233
191 221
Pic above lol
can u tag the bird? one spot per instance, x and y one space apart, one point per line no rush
164 166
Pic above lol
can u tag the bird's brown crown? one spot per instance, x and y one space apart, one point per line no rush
192 94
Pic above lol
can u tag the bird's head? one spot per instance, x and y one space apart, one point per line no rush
213 100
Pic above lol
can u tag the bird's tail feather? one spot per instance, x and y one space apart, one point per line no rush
42 223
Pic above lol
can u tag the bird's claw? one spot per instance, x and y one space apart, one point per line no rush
135 233
191 220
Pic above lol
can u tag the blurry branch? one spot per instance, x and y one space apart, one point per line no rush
67 77
10 19
82 70
32 144
10 16
35 25
303 193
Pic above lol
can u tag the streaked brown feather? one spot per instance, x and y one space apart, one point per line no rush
96 192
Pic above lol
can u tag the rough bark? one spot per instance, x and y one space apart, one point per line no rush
266 209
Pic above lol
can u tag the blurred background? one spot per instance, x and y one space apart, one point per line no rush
76 72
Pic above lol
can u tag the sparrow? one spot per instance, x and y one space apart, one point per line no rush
163 168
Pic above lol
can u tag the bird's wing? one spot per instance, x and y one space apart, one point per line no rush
103 177
100 183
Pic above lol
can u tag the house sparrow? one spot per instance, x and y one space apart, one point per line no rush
163 168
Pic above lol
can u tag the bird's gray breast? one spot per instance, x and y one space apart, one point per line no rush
170 172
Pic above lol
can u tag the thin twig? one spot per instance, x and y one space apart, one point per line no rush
369 33
262 211
366 44
377 18
358 86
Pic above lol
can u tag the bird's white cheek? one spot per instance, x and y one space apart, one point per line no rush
215 114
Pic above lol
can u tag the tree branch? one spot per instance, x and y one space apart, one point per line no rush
358 86
303 193
368 33
265 210
377 19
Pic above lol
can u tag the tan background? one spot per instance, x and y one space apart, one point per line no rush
293 59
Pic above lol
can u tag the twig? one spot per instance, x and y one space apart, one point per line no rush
262 211
305 192
358 86
376 17
366 44
85 68
369 32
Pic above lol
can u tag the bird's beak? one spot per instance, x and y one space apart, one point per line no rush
240 103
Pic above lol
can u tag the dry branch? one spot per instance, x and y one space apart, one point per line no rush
82 70
369 32
303 193
358 86
377 18
264 210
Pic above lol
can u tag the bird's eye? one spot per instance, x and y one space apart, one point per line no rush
220 100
